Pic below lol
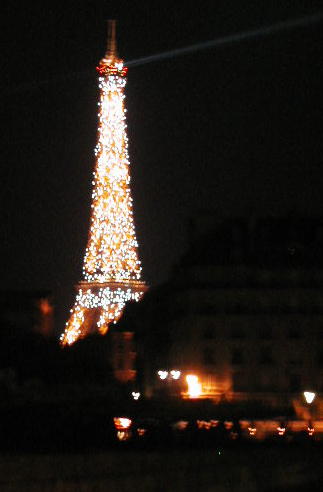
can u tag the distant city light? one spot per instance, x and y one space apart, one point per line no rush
135 395
310 430
194 388
309 396
181 425
252 430
122 423
162 374
141 431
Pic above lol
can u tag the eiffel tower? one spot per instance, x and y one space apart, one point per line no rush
111 269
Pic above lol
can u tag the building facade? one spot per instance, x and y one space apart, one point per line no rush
244 312
24 312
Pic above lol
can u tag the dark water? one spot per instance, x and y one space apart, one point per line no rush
243 468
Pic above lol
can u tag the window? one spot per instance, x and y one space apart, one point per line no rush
208 356
237 333
239 381
265 333
320 358
294 333
209 333
120 346
265 356
237 357
294 383
295 361
266 381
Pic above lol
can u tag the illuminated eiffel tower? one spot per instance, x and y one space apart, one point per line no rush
111 270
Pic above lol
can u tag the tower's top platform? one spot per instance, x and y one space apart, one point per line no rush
110 63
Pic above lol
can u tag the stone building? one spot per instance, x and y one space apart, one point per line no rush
243 312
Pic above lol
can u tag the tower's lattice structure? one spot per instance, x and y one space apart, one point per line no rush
111 269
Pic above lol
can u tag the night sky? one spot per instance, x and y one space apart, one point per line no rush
236 129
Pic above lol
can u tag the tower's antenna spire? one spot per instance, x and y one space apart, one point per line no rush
111 43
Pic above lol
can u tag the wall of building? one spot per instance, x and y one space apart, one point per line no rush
245 311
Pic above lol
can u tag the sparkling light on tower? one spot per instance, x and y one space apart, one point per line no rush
111 270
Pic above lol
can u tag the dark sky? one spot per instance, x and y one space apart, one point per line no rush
236 129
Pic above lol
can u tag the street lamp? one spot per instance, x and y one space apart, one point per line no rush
162 374
173 374
309 396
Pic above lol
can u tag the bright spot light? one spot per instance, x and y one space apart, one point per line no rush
135 395
162 374
194 387
309 396
175 374
122 423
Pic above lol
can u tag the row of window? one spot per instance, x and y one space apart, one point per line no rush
263 357
264 334
240 382
254 308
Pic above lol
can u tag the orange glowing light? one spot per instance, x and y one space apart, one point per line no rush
122 423
141 431
252 431
194 387
310 430
203 424
45 307
123 435
281 430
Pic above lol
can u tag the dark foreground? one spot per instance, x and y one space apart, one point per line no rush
256 467
75 448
